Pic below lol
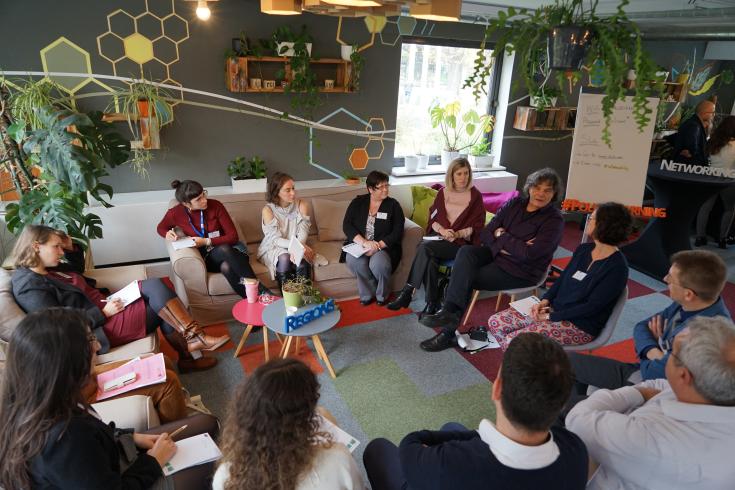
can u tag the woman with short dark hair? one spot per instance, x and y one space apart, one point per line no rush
208 223
284 217
575 309
273 437
375 222
51 438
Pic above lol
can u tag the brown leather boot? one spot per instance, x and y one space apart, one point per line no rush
175 314
186 362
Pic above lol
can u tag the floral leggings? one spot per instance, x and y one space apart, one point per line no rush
507 324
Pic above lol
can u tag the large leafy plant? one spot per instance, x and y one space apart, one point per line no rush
615 48
459 130
71 152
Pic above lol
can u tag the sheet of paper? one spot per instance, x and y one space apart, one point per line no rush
433 237
338 434
523 306
354 249
468 344
296 250
128 294
192 451
148 371
183 243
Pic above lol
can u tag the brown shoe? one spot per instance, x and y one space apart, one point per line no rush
175 314
201 364
202 341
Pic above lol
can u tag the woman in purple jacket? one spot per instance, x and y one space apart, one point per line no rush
515 251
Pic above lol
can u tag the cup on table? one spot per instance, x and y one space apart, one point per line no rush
251 289
328 83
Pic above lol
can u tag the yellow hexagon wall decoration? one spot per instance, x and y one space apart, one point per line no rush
359 159
138 48
375 23
63 55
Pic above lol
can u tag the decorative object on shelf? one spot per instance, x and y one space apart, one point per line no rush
613 39
247 175
328 84
350 178
299 291
480 156
423 160
292 322
256 83
269 84
302 82
358 62
550 119
543 97
346 51
411 162
286 41
460 131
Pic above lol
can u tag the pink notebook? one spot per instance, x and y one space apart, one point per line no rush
148 371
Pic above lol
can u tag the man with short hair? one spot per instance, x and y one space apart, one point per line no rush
696 279
691 139
521 450
677 433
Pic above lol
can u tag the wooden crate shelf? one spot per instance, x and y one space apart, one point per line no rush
550 119
239 71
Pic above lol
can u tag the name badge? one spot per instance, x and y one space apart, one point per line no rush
213 234
434 213
382 216
579 275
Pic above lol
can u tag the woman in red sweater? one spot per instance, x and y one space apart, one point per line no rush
455 218
209 224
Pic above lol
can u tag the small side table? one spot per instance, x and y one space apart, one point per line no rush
273 319
251 314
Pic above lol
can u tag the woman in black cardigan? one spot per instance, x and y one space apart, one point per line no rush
374 221
52 439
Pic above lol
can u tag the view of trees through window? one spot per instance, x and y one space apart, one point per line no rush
430 74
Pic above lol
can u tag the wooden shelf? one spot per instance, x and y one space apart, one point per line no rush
550 119
239 71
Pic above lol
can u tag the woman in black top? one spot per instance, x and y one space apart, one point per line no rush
51 438
374 221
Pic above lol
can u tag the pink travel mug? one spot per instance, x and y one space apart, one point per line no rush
251 290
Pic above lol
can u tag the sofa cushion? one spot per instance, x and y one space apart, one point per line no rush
217 284
334 269
10 313
329 216
423 198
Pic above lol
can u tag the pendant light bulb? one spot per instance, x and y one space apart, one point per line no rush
203 11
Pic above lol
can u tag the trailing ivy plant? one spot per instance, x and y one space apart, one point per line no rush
302 85
616 43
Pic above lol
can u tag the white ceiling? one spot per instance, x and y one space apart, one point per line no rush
713 18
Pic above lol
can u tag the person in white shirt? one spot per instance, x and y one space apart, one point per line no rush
273 436
671 434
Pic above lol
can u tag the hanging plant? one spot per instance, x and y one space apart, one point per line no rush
612 41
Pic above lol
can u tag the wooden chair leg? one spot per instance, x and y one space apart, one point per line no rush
242 340
265 344
497 303
298 345
475 294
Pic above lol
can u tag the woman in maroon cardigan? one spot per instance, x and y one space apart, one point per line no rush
209 224
455 219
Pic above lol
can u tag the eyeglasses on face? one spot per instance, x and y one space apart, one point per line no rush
382 187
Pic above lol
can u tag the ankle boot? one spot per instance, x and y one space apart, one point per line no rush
304 270
186 362
175 314
403 299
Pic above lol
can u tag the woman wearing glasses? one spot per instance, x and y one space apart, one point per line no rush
374 221
208 223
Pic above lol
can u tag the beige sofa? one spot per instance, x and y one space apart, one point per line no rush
113 278
210 297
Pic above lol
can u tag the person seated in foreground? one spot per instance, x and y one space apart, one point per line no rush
695 280
457 216
52 438
37 286
521 451
516 249
575 309
208 223
677 433
375 221
272 436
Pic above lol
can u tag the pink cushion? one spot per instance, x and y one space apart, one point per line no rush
493 200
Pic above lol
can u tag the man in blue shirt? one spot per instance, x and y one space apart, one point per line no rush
696 279
521 450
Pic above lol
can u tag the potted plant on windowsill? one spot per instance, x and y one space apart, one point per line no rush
247 176
350 177
459 131
480 156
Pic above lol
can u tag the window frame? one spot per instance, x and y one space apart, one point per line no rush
493 89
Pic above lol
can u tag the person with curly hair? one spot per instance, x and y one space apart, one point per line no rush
273 438
574 310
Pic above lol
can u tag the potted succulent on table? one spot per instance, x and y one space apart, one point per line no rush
459 131
480 156
300 291
247 175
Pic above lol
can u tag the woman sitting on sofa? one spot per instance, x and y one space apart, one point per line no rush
283 218
37 286
374 221
577 306
53 439
209 224
457 216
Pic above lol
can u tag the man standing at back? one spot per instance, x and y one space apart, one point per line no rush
691 139
521 451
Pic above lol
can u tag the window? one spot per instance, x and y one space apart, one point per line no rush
431 74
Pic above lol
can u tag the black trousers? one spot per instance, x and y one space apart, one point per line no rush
425 267
232 263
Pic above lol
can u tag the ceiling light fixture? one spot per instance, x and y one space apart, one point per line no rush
439 10
203 11
354 3
280 7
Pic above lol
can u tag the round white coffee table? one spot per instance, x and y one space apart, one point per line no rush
274 316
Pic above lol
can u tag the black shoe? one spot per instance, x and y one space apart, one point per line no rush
382 302
722 243
700 241
442 318
441 341
365 302
730 240
403 299
264 290
430 309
